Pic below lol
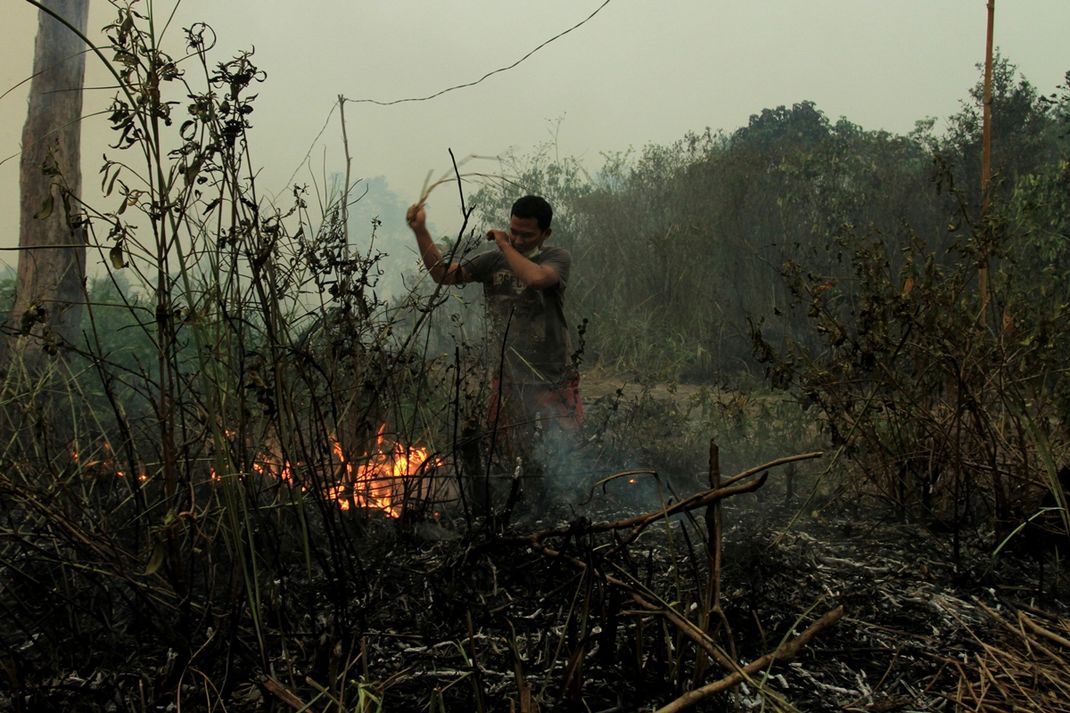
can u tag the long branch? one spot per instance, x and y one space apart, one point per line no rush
784 652
638 523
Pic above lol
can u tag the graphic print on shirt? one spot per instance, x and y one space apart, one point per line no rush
531 321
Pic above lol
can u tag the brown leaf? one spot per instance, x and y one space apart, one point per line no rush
156 560
46 208
116 257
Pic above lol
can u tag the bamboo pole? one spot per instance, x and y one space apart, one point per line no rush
986 158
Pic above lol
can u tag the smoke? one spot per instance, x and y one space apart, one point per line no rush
581 479
377 227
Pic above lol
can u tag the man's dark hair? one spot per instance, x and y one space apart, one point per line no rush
534 207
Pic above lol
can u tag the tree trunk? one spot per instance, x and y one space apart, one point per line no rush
50 289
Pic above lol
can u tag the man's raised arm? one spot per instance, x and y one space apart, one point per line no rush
441 272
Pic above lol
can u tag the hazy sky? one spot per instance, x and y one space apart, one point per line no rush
639 72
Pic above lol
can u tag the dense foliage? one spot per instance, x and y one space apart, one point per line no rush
842 263
678 247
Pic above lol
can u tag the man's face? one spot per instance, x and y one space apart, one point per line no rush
525 234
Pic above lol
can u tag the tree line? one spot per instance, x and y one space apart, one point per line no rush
678 249
842 264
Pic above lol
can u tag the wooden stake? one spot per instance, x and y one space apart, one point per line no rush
986 158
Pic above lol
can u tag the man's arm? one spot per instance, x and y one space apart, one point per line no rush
442 273
539 277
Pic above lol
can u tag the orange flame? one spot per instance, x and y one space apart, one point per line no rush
379 482
375 481
105 463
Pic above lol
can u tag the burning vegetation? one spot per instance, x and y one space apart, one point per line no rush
382 480
254 484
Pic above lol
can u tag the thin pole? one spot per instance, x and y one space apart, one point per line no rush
986 157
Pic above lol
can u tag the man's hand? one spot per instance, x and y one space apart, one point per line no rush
500 238
531 274
416 217
441 272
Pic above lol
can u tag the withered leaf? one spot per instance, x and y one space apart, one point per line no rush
46 208
155 561
116 257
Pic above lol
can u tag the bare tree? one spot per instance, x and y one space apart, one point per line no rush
51 271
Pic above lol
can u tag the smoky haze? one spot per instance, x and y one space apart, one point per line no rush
636 73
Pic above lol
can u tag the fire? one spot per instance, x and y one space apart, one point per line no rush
102 462
379 480
272 466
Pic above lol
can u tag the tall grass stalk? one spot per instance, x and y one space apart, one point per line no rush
240 350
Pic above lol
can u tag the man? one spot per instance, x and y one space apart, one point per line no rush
535 388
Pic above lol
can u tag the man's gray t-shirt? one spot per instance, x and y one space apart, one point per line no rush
532 322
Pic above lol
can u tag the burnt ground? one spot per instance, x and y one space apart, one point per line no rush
488 623
451 618
454 615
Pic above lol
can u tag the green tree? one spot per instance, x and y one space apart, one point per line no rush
1022 134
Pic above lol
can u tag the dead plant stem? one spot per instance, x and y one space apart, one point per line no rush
782 653
477 674
639 523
